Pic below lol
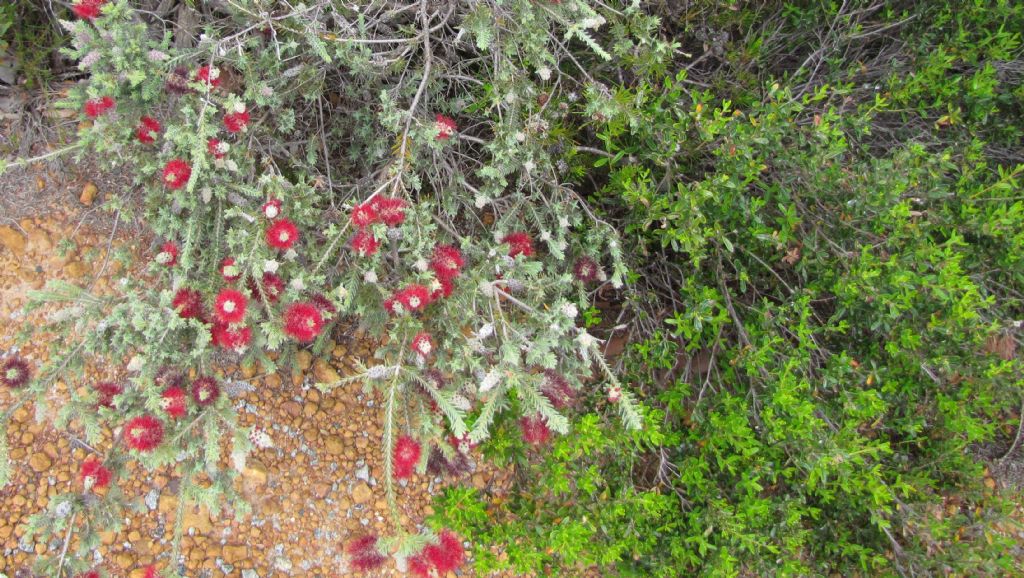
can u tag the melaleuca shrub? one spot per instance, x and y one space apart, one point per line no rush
460 249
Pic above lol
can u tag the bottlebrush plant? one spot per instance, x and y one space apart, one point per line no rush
295 177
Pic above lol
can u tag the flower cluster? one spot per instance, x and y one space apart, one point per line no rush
406 456
95 107
14 372
87 9
438 559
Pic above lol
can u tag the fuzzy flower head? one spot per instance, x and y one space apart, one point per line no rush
173 401
441 289
233 337
147 130
282 234
176 174
323 305
414 297
229 270
144 433
273 286
272 209
446 555
236 121
15 372
217 148
93 474
364 553
106 391
95 107
188 303
406 456
556 388
422 344
230 306
208 75
168 255
205 390
586 269
177 81
445 127
303 322
446 262
363 215
89 574
87 9
390 211
364 243
614 394
519 243
535 430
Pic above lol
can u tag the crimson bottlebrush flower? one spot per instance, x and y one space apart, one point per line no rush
447 554
176 173
87 9
282 234
89 574
364 553
209 75
106 391
418 566
390 211
586 269
324 305
422 344
205 390
188 303
169 377
439 465
144 433
556 388
303 321
463 444
228 270
614 394
230 306
173 401
535 430
272 209
217 148
94 107
443 289
93 474
414 297
406 456
168 255
519 243
273 286
363 215
445 127
150 572
446 261
15 372
147 130
236 121
232 337
364 243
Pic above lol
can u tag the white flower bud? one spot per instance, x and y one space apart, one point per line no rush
489 381
370 277
544 73
270 266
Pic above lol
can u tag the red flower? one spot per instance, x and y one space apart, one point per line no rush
364 243
147 130
324 305
217 148
414 297
282 234
444 289
188 303
208 75
303 321
150 571
87 9
176 173
364 214
228 270
273 286
205 390
144 433
446 261
14 372
556 388
97 106
93 474
535 430
445 127
90 573
519 244
446 555
422 343
172 400
365 554
406 456
236 121
105 392
231 336
390 211
230 306
419 566
272 209
586 269
168 255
